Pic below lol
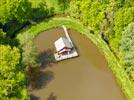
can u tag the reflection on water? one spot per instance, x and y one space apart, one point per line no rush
86 77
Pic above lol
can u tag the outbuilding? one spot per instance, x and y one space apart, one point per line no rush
63 46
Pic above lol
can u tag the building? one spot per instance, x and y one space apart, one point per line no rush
63 46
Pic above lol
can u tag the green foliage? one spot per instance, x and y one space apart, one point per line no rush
122 18
63 4
29 52
125 3
91 13
2 34
94 16
16 14
55 6
59 6
30 59
7 40
74 9
2 37
45 25
127 48
19 10
12 84
41 11
108 17
13 15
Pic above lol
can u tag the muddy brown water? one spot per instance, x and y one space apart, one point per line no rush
86 77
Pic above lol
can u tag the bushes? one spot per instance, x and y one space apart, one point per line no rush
93 17
14 13
29 53
122 18
59 6
19 10
7 40
127 49
12 84
18 13
30 59
54 6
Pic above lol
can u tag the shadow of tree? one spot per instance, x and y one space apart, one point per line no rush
40 80
47 58
32 97
37 78
32 75
44 79
52 97
9 41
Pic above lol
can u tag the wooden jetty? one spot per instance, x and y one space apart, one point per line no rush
73 52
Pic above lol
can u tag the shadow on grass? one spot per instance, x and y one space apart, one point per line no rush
46 58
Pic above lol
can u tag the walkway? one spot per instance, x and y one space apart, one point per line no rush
73 53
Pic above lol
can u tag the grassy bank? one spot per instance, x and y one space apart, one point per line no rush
120 74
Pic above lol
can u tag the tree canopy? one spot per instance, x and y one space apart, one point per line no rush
127 48
19 10
12 84
122 18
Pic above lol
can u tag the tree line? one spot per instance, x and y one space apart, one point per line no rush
110 19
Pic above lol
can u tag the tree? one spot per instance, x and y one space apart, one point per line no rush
29 52
91 13
19 10
30 59
7 40
2 37
126 3
122 18
127 49
108 17
12 84
63 4
2 34
30 55
74 9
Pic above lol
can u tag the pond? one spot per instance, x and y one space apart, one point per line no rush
86 77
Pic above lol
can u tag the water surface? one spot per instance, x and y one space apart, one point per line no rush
86 77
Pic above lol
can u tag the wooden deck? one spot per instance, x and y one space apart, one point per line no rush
63 57
72 54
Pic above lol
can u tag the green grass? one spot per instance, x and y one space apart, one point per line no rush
122 79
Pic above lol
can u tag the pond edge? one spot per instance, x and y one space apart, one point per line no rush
121 77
